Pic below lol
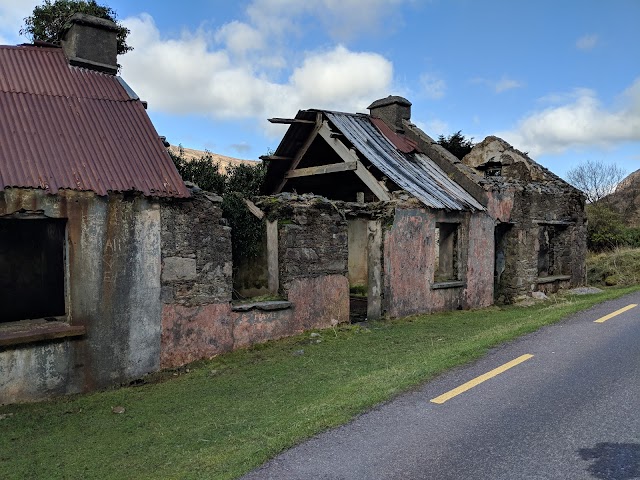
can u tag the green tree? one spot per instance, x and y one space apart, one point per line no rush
605 229
239 183
49 20
457 144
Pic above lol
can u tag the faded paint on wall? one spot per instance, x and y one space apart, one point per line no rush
312 261
37 371
480 267
358 251
113 289
319 302
192 333
410 252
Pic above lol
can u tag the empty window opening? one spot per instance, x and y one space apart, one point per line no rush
32 271
502 237
251 270
493 171
447 262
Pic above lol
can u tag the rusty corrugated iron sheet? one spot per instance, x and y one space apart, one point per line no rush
414 172
66 127
401 142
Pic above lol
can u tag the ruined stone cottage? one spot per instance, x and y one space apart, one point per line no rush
428 232
540 221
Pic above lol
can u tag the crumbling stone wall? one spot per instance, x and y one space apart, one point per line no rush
313 255
196 252
540 231
410 253
541 238
196 280
312 242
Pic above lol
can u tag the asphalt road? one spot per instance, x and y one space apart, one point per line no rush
571 411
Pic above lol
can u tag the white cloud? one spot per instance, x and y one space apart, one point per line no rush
581 122
505 83
339 78
187 75
343 19
433 86
240 37
587 42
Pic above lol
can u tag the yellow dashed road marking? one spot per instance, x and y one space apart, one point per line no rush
617 312
478 380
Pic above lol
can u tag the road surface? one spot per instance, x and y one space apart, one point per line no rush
562 403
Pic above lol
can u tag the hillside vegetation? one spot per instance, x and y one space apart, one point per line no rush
620 266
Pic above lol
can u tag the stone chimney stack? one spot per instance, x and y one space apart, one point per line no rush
91 42
392 110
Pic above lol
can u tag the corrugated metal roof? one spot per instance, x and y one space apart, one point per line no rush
66 127
414 172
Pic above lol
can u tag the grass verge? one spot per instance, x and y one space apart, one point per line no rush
221 418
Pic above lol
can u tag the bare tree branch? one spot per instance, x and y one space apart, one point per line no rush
596 179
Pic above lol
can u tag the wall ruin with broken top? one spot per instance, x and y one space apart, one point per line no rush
540 231
541 238
312 255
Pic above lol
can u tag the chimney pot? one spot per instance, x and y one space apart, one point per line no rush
91 42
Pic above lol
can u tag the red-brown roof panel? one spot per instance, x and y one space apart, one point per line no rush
67 127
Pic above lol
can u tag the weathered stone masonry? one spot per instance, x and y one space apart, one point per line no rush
198 319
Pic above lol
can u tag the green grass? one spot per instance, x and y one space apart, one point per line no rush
617 267
225 416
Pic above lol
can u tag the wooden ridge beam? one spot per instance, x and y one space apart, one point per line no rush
322 169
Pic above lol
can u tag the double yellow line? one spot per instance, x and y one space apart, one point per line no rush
503 368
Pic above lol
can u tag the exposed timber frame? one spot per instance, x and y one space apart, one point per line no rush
348 156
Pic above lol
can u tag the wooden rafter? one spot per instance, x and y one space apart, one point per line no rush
274 157
322 169
303 149
348 155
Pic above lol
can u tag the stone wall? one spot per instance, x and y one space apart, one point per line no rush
313 255
198 319
196 280
196 252
531 216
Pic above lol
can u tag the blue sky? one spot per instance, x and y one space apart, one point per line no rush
559 79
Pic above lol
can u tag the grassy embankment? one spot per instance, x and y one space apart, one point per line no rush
618 267
222 417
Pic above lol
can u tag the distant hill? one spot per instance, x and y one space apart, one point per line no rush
626 199
225 162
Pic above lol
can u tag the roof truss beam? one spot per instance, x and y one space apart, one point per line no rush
349 155
322 169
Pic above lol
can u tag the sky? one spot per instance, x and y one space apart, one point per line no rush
557 79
